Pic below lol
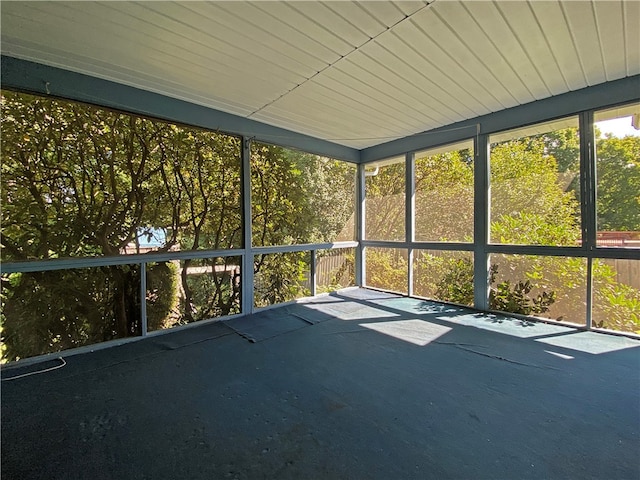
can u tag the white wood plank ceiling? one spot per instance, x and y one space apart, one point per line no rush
357 73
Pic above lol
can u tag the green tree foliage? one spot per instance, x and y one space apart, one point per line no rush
450 277
335 269
80 181
90 180
296 198
162 287
517 297
444 184
616 304
564 146
387 268
528 202
618 174
456 282
534 201
281 277
384 209
50 311
444 275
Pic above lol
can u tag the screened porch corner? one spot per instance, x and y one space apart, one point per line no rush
375 386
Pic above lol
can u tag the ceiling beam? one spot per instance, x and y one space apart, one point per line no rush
41 79
46 80
598 96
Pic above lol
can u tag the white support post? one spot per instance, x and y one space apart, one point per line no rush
247 259
361 269
481 262
410 215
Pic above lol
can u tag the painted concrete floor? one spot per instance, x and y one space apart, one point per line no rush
355 385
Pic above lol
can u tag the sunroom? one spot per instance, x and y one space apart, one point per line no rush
428 175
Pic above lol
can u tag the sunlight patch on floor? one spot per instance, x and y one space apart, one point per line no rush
417 332
591 342
560 355
507 325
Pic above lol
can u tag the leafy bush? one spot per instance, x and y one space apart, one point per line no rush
457 286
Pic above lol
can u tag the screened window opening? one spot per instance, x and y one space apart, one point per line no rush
535 185
82 181
335 269
443 275
617 133
385 200
387 269
444 194
187 291
281 277
539 286
298 197
46 312
616 295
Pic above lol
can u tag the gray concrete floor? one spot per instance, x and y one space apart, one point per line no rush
377 387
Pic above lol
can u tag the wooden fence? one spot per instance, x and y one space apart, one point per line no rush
627 271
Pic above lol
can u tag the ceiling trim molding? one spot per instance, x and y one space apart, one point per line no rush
595 97
42 79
